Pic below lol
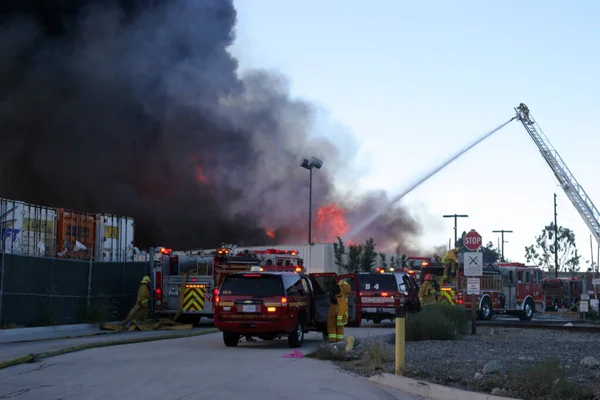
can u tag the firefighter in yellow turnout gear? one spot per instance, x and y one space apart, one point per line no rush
338 314
427 293
140 310
450 262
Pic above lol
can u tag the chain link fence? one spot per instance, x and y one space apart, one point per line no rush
47 291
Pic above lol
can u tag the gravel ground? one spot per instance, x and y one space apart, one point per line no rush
477 362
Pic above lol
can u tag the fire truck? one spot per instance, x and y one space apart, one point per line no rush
561 293
505 288
414 265
186 281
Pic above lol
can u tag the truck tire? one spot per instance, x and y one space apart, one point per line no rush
296 337
486 311
231 339
527 313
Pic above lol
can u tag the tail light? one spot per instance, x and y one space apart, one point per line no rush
460 300
384 294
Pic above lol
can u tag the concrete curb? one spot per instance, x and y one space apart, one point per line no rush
430 390
35 357
45 329
70 332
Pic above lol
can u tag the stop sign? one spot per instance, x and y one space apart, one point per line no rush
472 240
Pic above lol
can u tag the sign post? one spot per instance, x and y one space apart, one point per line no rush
473 269
595 284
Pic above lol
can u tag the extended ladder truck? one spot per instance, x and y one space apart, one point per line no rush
574 191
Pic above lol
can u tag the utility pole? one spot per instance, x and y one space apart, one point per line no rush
555 241
456 217
502 232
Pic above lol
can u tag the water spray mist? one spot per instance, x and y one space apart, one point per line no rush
420 181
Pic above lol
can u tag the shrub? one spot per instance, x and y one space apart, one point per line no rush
377 354
437 322
330 353
544 381
102 310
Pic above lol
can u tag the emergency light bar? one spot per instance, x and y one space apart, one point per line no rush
165 251
222 251
274 251
256 269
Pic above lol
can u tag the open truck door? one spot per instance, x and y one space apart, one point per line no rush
354 300
323 285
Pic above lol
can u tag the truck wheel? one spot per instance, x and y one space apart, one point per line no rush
296 337
527 313
486 311
231 339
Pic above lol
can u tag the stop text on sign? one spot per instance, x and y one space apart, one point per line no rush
474 241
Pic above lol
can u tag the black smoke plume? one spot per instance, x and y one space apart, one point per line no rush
136 108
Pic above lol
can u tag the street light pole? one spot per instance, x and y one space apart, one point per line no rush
455 216
310 206
317 163
502 232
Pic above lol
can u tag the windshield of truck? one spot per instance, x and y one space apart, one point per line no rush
377 282
253 285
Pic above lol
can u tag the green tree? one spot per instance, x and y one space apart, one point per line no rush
490 253
542 252
339 251
383 260
354 258
369 256
399 260
403 262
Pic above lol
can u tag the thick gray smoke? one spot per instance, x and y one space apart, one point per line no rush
135 108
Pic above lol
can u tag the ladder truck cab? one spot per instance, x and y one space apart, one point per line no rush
561 293
505 288
183 282
414 265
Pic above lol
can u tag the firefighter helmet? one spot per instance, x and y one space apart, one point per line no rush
428 277
146 279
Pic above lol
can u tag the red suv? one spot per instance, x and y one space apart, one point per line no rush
381 294
269 305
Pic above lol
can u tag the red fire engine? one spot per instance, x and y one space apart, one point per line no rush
505 288
187 281
561 293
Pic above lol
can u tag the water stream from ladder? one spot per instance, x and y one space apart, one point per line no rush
419 181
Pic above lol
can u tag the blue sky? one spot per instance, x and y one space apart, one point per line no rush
415 81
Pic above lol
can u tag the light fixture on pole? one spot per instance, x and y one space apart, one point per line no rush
317 163
502 232
456 217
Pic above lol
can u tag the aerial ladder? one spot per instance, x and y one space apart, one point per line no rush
574 191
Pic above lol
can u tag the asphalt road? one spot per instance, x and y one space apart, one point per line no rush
191 368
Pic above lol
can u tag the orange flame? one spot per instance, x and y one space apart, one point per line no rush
200 177
270 233
330 223
198 169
